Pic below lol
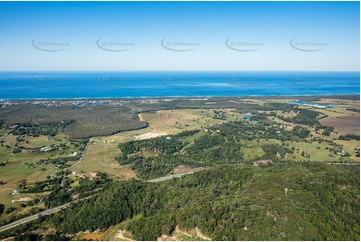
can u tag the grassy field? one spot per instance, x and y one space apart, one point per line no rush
99 157
350 146
14 172
252 153
41 141
102 150
4 132
344 103
317 151
344 122
175 121
15 200
24 165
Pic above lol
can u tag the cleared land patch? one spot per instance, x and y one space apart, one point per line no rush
344 124
99 157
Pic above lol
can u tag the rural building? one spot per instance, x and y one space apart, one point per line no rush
15 192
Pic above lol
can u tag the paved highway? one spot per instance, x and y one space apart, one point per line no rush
53 210
164 178
345 164
33 217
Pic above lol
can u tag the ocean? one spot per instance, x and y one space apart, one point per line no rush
69 85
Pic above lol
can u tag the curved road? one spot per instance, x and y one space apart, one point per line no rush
33 217
64 206
164 178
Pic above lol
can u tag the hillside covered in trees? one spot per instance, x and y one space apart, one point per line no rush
230 202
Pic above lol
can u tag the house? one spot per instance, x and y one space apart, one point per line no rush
46 149
15 192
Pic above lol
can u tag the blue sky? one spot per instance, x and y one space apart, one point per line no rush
266 35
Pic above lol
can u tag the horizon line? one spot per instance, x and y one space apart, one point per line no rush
179 70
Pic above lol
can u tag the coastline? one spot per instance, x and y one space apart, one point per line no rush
339 96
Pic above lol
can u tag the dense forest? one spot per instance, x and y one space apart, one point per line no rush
231 202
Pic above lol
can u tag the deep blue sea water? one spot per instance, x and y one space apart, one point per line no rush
55 85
